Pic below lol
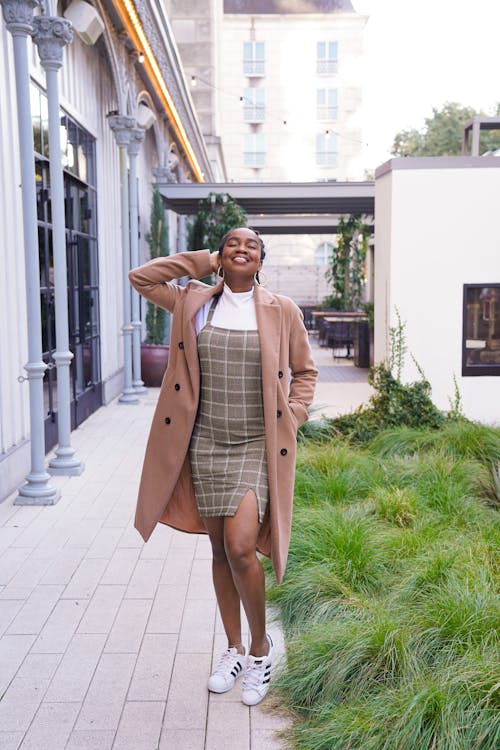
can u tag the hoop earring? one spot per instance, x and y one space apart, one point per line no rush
219 274
257 277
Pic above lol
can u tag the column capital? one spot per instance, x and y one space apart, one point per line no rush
51 34
164 174
121 125
136 138
18 15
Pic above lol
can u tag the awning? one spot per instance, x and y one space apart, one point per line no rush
282 207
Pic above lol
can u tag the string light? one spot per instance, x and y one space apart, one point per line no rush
244 101
140 57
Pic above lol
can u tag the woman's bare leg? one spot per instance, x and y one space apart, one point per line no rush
240 542
227 595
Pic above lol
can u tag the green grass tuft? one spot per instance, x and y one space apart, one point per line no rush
390 601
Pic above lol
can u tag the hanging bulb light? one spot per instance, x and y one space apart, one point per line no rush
140 57
193 81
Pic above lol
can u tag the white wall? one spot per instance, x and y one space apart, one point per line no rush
14 405
436 228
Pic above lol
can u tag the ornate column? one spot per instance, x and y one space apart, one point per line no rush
122 126
182 234
18 16
51 35
134 146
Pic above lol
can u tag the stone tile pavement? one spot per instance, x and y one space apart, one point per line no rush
107 642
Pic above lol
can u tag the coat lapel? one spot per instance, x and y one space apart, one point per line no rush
194 302
268 315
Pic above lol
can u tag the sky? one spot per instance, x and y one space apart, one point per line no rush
419 55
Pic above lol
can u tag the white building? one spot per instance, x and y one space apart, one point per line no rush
290 90
131 70
437 264
279 84
290 100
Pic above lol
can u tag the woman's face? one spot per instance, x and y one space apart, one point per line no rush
241 253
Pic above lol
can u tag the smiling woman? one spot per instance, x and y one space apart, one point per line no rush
221 453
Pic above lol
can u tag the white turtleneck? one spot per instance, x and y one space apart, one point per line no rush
235 310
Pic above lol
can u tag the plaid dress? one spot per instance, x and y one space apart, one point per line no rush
227 450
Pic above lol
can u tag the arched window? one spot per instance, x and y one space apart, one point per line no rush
323 253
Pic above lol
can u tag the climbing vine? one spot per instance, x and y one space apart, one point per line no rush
217 214
346 272
157 239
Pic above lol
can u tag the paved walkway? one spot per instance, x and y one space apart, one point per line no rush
106 642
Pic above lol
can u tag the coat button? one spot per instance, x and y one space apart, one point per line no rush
279 413
167 420
280 374
177 387
181 344
283 451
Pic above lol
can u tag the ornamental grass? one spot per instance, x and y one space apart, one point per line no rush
390 601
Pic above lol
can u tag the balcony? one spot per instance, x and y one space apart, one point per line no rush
326 67
254 68
326 158
255 158
253 113
327 113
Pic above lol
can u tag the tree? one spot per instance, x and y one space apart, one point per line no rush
157 239
442 134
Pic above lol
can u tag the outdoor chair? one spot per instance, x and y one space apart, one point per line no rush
339 337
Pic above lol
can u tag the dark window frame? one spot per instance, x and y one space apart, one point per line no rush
475 370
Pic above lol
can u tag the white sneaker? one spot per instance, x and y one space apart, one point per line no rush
231 665
257 677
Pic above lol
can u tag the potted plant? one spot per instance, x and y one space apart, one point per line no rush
154 350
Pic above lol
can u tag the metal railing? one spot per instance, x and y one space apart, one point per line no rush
254 68
254 158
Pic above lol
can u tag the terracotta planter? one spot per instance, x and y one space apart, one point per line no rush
154 360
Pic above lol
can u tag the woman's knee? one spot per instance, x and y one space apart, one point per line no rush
240 554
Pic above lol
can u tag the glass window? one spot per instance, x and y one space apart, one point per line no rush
326 150
255 150
323 253
326 104
481 330
36 118
254 109
253 59
326 58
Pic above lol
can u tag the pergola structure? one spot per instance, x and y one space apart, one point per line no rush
474 127
282 207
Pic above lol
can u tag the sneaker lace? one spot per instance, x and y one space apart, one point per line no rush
225 662
253 675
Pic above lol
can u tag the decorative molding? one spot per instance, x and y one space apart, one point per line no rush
18 15
169 62
122 126
51 34
136 140
163 175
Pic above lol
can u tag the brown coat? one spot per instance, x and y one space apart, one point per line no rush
166 491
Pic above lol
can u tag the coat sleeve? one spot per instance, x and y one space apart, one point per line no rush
303 369
154 279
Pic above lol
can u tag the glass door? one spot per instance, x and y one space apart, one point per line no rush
78 156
